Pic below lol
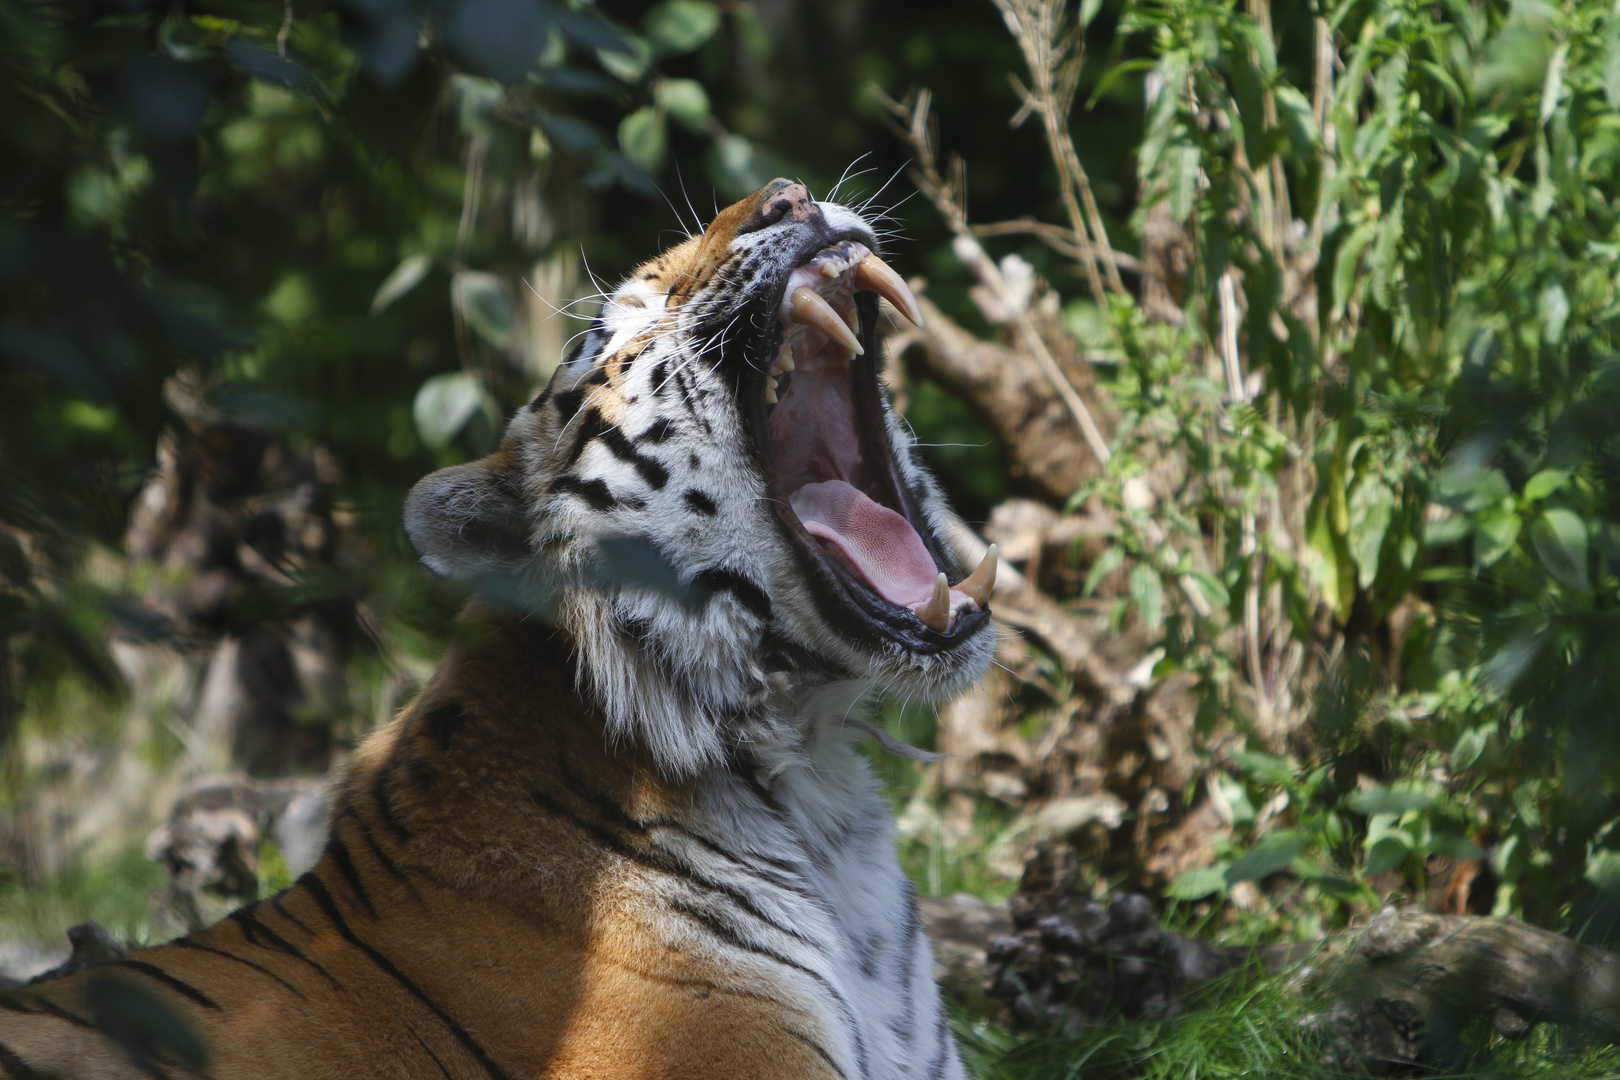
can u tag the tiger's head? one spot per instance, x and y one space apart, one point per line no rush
714 500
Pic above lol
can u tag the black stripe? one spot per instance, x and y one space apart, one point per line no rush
811 1043
658 430
340 857
187 943
651 469
382 856
659 860
660 378
700 502
385 807
281 909
444 722
590 426
429 1052
11 1004
788 875
317 889
597 376
178 986
13 1063
595 492
728 934
748 594
252 929
539 401
568 402
52 1008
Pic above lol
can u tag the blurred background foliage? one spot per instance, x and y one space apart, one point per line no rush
1335 284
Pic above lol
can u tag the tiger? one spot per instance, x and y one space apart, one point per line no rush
625 829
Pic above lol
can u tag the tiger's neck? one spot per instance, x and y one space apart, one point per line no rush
503 730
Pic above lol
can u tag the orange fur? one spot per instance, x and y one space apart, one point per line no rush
502 911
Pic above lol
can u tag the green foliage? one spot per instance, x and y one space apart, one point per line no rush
1446 419
1235 1030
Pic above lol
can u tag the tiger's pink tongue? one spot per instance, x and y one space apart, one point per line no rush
882 544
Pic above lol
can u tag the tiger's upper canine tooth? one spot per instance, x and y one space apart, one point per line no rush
936 613
979 583
876 275
808 307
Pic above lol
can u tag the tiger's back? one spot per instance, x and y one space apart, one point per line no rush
624 830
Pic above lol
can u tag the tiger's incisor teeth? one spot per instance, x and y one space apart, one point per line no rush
784 362
979 583
770 390
876 275
809 308
936 613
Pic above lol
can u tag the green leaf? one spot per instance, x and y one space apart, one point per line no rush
406 276
1495 530
1389 852
1603 869
685 101
1265 768
1088 11
444 405
1294 110
1553 307
1109 561
1115 74
1269 856
1560 540
485 303
1371 507
1197 883
1470 745
628 60
1470 488
643 137
1544 483
1183 179
1148 592
1611 63
680 26
1208 584
1383 800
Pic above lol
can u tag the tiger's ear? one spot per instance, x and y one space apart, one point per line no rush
469 521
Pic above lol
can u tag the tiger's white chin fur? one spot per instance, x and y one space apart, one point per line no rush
648 502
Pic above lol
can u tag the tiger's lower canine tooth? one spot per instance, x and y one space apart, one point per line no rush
979 583
875 275
809 308
936 613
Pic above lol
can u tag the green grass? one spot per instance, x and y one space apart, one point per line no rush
1254 1031
116 893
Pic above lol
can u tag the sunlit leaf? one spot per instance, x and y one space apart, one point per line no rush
486 303
1560 540
445 404
643 137
405 277
1197 883
679 26
1148 592
1544 483
1384 800
685 100
1270 855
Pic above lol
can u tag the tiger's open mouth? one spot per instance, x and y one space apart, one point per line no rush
829 463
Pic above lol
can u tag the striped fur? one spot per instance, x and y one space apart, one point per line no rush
623 831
